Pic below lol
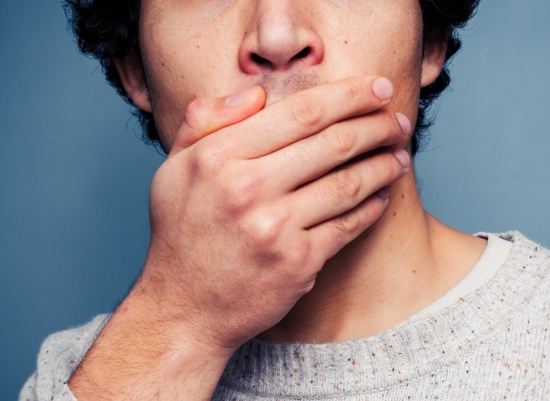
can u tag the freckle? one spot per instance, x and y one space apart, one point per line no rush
163 64
345 42
414 271
402 196
394 214
198 46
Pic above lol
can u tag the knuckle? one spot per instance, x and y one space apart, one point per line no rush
307 113
356 94
265 230
193 116
349 224
342 143
295 265
348 184
371 211
297 254
380 174
207 159
390 127
388 168
241 193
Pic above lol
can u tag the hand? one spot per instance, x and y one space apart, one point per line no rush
243 219
245 211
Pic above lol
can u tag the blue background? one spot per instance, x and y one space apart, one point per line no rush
74 176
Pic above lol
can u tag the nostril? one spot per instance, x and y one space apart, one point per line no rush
258 59
303 54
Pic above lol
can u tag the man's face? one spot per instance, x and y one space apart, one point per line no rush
195 48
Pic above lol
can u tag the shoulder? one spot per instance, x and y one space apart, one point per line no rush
528 267
70 345
527 254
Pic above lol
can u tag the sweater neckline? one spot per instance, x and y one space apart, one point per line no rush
392 357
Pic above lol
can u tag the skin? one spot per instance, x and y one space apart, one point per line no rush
264 220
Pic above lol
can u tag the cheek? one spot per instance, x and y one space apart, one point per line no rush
182 64
384 41
162 49
407 75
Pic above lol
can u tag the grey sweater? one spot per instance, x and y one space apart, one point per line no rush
487 339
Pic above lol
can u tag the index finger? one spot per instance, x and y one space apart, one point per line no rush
308 112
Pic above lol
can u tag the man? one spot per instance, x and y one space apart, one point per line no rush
290 255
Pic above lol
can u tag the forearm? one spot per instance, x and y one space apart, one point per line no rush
142 355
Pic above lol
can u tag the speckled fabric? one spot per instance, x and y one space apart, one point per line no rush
491 343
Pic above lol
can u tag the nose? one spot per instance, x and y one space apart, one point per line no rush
279 38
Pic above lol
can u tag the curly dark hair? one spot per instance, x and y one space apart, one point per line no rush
109 29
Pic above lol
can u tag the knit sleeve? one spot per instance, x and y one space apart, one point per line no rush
59 356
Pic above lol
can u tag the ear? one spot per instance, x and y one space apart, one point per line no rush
433 61
131 74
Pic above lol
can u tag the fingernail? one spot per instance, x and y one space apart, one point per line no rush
239 99
382 88
384 193
403 157
404 122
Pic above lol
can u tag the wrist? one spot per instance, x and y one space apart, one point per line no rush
143 350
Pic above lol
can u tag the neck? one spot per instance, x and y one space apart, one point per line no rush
406 261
